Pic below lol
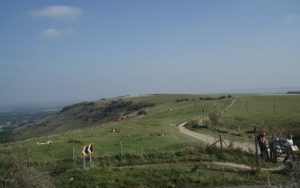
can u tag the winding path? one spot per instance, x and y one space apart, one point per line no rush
208 139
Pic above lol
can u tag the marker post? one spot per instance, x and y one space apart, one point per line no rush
84 162
87 150
256 149
90 159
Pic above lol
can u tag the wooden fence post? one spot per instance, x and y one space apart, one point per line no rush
73 153
28 157
256 149
90 159
121 149
84 162
74 159
221 142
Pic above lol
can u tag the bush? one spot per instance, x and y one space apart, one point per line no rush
191 124
141 112
214 118
214 98
13 173
182 100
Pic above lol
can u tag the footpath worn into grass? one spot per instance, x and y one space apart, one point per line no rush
208 139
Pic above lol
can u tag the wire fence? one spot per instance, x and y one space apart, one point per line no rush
70 155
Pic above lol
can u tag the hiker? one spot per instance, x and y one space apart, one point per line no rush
275 147
274 138
291 148
263 144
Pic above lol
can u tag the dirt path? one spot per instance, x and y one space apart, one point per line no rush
208 139
245 146
230 105
223 164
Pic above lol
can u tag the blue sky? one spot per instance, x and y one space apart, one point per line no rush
54 51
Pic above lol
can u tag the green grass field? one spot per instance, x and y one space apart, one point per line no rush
173 160
273 114
135 134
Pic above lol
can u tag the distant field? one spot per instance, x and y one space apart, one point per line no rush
274 113
17 117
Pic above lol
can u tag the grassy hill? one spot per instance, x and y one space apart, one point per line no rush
274 114
136 131
148 150
97 113
82 115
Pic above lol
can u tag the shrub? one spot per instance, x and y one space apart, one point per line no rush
16 174
141 112
214 118
182 100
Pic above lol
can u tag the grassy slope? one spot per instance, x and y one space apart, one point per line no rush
280 114
165 175
85 115
135 133
271 113
138 147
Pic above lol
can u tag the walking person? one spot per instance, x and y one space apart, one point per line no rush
263 145
275 147
289 144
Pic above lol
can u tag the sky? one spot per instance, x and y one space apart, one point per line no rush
57 51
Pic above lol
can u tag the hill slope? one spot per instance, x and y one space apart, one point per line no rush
148 150
274 114
97 113
82 115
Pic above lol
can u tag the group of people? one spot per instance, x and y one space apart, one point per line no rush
274 148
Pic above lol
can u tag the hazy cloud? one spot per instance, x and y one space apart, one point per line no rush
67 12
52 33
